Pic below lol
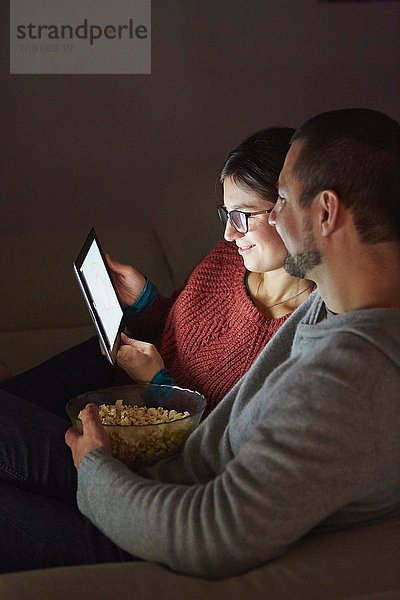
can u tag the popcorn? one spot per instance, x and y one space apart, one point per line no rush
124 414
141 433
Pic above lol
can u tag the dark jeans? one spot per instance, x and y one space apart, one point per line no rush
51 384
40 523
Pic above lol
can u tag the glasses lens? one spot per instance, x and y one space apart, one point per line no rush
223 215
238 220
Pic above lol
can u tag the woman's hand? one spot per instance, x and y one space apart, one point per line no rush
127 280
140 360
92 438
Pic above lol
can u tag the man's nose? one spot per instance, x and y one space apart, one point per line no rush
272 215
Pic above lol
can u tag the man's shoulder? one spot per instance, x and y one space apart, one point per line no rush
378 328
374 322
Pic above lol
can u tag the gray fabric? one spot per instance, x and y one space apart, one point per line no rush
310 442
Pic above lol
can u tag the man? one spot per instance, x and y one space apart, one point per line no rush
309 439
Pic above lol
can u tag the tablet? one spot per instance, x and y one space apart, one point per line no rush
101 298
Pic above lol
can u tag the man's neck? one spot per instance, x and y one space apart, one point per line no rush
367 279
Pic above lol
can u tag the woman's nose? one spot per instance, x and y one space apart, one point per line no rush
230 233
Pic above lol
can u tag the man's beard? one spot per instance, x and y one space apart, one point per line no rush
300 264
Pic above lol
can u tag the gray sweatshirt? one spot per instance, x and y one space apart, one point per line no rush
308 440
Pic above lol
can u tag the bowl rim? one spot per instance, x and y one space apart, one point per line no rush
136 385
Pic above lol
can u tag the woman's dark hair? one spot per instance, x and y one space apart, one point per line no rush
256 163
356 153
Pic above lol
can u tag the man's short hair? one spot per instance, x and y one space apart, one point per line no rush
356 153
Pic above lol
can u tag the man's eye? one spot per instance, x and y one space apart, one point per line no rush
281 199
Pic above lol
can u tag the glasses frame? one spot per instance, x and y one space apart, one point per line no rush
225 216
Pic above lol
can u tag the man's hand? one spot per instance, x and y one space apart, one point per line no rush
128 281
92 438
140 360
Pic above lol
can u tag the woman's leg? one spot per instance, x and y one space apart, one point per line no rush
33 453
75 371
38 532
40 523
4 372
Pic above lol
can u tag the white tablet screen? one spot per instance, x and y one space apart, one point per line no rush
102 292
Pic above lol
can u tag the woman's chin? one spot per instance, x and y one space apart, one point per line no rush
251 266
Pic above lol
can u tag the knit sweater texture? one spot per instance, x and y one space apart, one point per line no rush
213 332
308 440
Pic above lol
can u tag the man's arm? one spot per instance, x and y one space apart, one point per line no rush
303 454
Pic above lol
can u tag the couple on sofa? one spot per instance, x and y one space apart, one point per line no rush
306 441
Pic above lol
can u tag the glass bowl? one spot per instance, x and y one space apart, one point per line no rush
144 443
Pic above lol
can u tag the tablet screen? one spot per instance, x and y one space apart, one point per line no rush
99 293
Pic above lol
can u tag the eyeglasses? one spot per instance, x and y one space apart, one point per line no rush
237 218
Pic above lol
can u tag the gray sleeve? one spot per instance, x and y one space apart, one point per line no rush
307 451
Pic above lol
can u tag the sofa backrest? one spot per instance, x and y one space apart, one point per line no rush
42 310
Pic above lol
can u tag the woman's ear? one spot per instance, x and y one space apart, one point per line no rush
329 205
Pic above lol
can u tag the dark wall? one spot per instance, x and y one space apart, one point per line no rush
94 149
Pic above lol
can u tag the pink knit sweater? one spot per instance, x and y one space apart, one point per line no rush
213 331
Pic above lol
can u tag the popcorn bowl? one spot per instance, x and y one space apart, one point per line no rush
154 420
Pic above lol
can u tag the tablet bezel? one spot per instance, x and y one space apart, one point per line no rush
110 346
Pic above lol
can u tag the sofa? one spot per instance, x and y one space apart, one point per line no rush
43 313
362 563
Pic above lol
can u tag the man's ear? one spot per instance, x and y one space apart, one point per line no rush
328 206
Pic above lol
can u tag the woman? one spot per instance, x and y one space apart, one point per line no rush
207 336
235 299
233 303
